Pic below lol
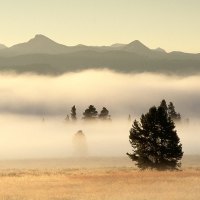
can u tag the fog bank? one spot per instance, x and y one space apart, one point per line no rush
121 93
23 138
27 99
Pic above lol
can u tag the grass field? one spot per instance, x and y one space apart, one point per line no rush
96 179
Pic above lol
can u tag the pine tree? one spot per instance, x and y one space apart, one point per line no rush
90 113
73 113
170 109
172 113
164 105
155 142
104 114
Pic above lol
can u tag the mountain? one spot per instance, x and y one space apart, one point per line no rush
136 47
2 46
44 56
40 44
121 61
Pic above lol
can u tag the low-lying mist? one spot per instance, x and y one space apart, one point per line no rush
25 100
22 137
123 94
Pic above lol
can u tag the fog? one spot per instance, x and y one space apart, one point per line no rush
121 93
26 99
23 137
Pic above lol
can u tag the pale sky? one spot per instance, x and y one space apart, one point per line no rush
170 24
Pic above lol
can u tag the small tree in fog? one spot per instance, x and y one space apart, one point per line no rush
155 142
67 118
104 114
90 113
80 144
73 113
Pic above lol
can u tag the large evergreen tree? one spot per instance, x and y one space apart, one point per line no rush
155 142
90 113
73 113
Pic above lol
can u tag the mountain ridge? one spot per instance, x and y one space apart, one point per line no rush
40 41
44 56
42 44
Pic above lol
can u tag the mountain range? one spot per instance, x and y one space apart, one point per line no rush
44 56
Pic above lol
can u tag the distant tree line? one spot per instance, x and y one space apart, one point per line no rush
90 114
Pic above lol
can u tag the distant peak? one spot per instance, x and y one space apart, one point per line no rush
40 38
136 46
137 43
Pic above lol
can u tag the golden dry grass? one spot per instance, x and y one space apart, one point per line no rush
121 183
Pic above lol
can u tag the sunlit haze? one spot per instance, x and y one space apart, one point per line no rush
172 25
99 99
33 112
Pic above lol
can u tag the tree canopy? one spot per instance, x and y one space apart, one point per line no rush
90 113
170 109
155 142
172 112
104 114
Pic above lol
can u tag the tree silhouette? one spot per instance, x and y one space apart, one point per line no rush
73 113
164 105
90 113
155 142
104 114
80 144
172 113
170 109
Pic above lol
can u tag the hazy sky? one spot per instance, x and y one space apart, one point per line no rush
171 24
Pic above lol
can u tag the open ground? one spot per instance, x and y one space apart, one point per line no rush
96 179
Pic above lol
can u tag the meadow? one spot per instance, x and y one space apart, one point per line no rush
96 179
